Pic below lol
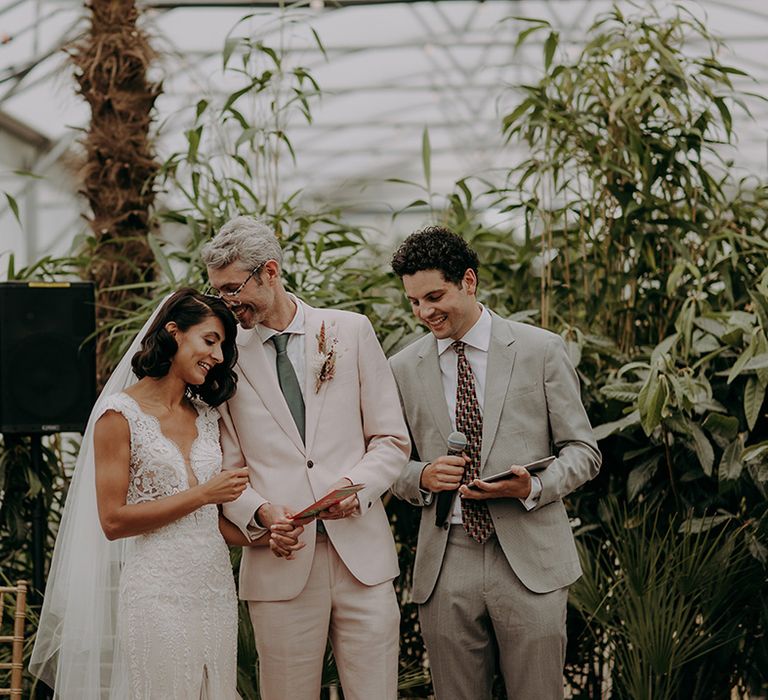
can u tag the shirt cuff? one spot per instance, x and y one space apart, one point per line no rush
254 530
426 496
533 497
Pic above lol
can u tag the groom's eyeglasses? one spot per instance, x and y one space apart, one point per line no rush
231 296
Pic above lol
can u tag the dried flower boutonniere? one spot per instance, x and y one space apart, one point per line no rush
324 361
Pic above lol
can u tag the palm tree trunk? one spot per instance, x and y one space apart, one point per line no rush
112 60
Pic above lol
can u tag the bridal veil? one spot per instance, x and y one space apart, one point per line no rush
74 649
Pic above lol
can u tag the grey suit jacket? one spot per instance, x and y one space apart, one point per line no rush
532 408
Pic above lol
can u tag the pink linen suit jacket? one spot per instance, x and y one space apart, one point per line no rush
354 428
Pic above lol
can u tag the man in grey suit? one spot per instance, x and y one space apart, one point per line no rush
493 566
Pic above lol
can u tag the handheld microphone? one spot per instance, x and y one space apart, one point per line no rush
457 443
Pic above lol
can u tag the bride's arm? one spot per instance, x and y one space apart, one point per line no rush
232 535
112 451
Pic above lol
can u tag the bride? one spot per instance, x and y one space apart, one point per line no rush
144 606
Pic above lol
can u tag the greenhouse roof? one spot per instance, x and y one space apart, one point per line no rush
386 70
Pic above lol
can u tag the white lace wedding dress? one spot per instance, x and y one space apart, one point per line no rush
177 612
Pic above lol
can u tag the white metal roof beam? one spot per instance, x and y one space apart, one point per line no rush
311 4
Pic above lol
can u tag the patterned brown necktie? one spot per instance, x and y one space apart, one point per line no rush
474 514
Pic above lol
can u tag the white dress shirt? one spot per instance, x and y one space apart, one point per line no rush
476 341
296 344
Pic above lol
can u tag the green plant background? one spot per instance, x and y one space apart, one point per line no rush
633 240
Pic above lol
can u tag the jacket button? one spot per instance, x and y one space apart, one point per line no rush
446 526
370 503
310 464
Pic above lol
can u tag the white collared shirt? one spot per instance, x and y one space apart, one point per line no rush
477 341
296 345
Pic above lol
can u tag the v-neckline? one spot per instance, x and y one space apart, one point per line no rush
186 461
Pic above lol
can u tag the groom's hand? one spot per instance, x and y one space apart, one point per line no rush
283 532
343 509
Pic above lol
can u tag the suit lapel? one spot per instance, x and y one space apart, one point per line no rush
255 367
313 400
501 360
428 370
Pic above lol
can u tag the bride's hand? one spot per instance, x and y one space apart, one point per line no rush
226 486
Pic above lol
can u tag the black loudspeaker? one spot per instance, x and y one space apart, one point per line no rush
47 356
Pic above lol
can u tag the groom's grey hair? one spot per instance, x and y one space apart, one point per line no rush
245 240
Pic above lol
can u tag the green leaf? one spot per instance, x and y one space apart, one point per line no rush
733 71
726 427
664 347
550 45
709 325
14 207
640 476
738 366
414 203
235 96
28 173
621 391
755 452
674 277
161 258
574 352
757 362
270 52
651 401
695 526
753 401
515 114
35 485
247 135
603 431
229 47
400 181
756 548
743 320
193 139
730 463
526 33
319 43
703 448
426 158
733 336
759 304
530 20
725 113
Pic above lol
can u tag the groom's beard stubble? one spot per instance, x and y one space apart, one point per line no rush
245 315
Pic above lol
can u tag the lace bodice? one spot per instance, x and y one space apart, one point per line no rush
161 471
177 616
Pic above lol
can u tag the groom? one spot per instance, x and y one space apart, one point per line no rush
493 562
316 408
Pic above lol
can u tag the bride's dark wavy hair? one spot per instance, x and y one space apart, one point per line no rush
187 308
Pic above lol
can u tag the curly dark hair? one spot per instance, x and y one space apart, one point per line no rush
186 308
435 248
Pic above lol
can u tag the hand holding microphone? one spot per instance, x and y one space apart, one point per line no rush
445 472
443 476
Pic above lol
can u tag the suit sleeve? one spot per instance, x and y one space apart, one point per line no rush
384 430
578 458
407 486
241 511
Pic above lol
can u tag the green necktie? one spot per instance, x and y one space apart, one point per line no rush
289 383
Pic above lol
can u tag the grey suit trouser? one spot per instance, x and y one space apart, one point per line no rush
480 611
